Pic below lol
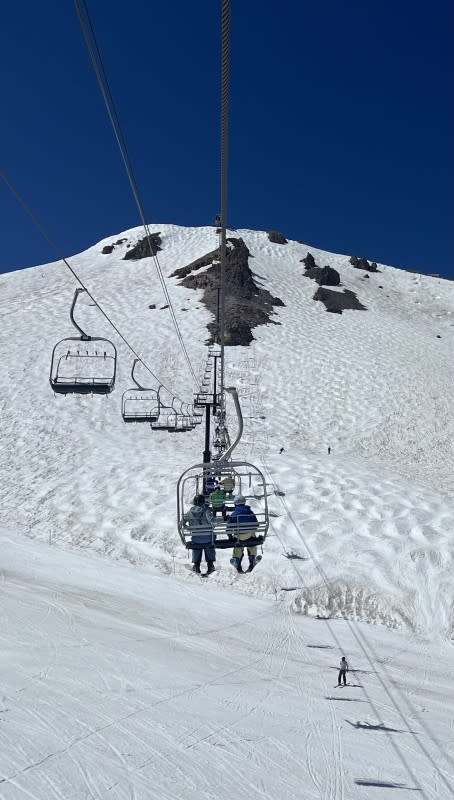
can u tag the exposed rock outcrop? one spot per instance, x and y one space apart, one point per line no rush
142 248
337 302
246 304
326 276
309 261
363 263
277 237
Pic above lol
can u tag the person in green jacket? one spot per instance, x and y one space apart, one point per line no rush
217 500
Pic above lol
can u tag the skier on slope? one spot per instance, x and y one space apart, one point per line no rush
343 669
198 520
243 524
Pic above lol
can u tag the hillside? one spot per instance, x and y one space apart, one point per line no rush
374 385
125 676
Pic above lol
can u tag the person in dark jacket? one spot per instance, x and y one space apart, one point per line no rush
198 519
242 524
343 669
210 484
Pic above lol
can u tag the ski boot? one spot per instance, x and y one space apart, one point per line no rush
236 562
210 567
252 563
196 568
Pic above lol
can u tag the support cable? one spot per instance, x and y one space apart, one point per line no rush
94 52
55 247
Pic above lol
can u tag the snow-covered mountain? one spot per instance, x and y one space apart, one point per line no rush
364 532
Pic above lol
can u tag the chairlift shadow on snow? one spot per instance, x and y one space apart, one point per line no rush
344 699
368 726
387 785
296 556
291 588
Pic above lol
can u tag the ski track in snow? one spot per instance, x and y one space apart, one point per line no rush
127 677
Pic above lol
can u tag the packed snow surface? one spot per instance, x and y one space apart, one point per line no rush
127 677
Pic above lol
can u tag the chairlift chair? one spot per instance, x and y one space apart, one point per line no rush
83 364
244 475
140 404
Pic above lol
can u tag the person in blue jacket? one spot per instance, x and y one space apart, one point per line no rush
198 519
243 525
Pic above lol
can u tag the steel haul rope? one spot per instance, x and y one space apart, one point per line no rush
89 35
225 90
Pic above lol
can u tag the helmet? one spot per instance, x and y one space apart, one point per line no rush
239 500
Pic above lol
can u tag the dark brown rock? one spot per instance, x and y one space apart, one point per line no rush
276 237
324 276
145 248
337 302
309 261
246 304
107 249
362 263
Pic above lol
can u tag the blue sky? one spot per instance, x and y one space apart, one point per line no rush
341 124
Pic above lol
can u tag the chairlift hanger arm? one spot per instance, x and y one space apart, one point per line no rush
134 380
83 335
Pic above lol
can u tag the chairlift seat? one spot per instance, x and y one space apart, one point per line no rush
224 535
83 366
140 405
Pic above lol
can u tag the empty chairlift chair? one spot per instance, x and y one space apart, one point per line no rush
83 364
180 421
140 404
170 419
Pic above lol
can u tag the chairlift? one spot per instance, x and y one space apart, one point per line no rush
172 419
140 404
180 421
83 364
242 473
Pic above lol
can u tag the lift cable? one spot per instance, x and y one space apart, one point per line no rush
39 225
94 52
225 91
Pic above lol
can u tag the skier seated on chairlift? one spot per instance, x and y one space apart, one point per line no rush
198 519
228 484
242 524
210 484
217 500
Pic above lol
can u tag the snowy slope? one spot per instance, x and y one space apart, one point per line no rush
118 682
365 533
375 385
